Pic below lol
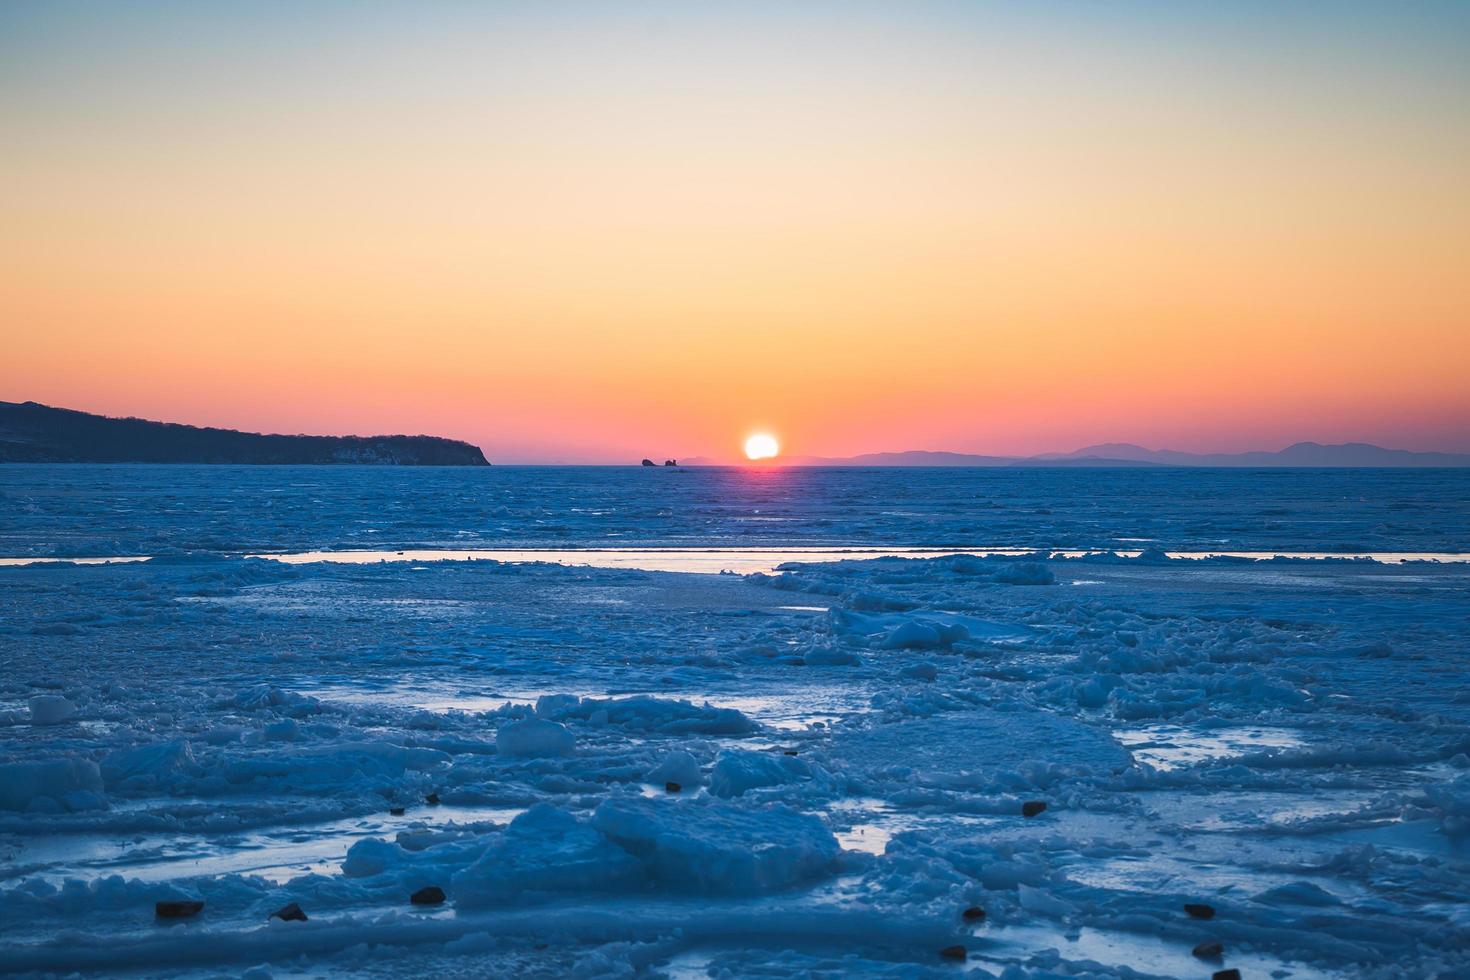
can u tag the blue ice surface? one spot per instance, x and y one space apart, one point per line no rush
111 510
1288 741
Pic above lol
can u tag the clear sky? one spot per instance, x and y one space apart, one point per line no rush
599 231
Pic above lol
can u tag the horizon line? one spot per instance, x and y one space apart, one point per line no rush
1094 453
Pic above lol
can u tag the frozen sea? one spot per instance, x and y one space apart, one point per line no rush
684 723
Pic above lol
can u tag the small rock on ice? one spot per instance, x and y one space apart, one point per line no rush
177 909
291 913
1210 949
428 895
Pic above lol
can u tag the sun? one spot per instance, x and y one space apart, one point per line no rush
762 445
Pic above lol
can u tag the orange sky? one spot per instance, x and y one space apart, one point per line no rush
583 234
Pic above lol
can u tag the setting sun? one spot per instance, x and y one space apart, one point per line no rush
762 445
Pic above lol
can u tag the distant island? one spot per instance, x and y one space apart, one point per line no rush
35 433
1302 454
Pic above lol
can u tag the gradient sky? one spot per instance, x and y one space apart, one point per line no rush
599 231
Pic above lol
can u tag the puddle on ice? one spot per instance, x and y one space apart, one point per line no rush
434 698
1174 746
1152 955
868 838
867 824
1254 809
277 853
792 712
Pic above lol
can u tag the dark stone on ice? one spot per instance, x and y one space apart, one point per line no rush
1210 949
432 799
177 910
432 895
1032 807
954 953
1198 910
396 811
291 913
1230 974
672 787
973 914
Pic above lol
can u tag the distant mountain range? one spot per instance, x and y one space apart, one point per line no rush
34 433
1348 454
1297 454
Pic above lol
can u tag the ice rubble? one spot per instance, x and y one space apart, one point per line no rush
677 767
647 714
929 704
692 846
50 786
718 848
544 851
51 709
148 766
737 771
1452 800
534 738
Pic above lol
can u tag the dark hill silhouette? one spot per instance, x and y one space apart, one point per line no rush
35 433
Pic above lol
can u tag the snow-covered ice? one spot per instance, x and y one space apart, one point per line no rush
813 771
533 738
